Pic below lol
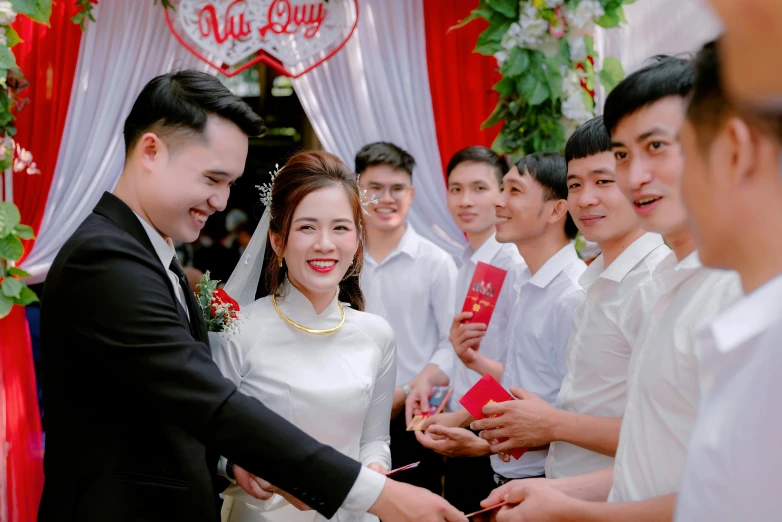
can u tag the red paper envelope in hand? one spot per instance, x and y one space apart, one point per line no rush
487 390
483 292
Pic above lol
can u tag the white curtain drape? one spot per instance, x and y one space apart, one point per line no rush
128 45
377 89
657 27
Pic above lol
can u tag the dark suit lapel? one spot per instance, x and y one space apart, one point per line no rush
116 210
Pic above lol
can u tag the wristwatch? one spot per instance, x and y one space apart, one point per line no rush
406 388
229 470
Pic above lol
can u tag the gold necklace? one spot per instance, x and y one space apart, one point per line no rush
304 328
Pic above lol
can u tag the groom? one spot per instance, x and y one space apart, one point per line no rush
136 411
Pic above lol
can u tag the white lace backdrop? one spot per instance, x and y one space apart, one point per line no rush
128 45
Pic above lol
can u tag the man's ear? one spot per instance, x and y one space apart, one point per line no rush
151 151
558 211
735 147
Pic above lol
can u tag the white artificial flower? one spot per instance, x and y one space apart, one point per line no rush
549 46
573 106
532 27
583 16
7 14
578 50
24 154
3 38
33 169
501 56
511 37
552 4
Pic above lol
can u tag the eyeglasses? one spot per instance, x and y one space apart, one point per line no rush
397 192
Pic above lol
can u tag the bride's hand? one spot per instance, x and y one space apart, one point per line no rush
377 467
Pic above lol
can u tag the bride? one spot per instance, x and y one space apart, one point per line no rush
305 348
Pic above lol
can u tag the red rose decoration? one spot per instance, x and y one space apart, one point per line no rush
223 297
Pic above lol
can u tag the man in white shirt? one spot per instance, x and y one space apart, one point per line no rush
532 212
734 192
583 428
474 175
414 282
644 115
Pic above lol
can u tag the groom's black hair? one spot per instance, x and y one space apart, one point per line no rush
179 104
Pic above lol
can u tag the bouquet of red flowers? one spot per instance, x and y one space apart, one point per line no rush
221 312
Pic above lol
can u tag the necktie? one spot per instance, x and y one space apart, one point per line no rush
197 325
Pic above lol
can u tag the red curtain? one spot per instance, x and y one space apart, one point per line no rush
460 80
23 425
48 57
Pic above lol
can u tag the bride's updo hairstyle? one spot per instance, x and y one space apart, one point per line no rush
302 175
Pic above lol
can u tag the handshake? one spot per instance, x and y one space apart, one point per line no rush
397 501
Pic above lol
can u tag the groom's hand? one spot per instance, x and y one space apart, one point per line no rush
403 502
254 486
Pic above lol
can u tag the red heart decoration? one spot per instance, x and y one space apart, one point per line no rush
285 34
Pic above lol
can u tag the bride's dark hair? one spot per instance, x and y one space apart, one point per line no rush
303 174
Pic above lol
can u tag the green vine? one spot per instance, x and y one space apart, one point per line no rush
546 56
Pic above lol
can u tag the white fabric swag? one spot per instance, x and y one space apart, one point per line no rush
128 45
377 89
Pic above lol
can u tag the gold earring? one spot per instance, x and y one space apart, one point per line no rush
280 261
351 263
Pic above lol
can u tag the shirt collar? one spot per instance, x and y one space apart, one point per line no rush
748 317
556 264
485 252
293 300
622 265
408 244
164 248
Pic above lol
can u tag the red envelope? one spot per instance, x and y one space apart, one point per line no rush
483 292
487 390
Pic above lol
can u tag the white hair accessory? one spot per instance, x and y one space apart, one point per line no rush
362 194
266 188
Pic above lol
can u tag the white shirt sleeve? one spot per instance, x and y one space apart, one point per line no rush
375 438
365 492
443 299
560 323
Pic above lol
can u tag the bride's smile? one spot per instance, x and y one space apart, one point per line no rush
321 244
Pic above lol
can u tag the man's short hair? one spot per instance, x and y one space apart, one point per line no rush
384 153
665 76
710 104
479 154
589 138
549 169
178 105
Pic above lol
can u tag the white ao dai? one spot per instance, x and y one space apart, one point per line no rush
338 388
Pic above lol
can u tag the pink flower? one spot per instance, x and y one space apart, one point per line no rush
558 27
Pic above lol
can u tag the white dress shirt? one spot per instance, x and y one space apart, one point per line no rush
415 287
662 382
368 485
164 248
505 256
537 340
605 327
735 456
338 388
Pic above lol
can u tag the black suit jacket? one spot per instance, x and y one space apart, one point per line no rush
135 410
